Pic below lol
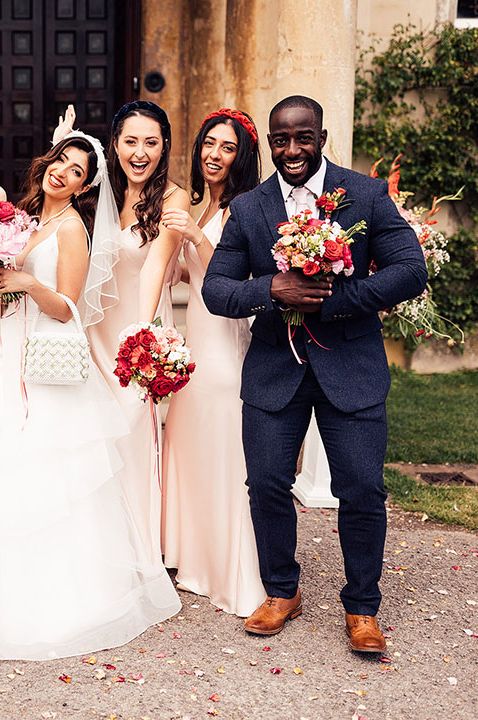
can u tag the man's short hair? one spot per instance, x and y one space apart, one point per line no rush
301 101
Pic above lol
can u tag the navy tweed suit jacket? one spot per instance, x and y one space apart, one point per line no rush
353 372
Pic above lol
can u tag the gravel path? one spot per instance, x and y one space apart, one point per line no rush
201 664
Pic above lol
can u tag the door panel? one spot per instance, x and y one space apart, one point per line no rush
56 52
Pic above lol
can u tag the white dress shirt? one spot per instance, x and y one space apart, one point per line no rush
314 186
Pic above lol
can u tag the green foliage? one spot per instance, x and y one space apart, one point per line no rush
456 286
433 418
437 71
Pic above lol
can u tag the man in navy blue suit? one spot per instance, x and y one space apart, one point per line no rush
342 375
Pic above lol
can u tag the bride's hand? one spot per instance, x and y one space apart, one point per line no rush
15 281
64 126
182 222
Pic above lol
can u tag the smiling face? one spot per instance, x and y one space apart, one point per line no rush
296 139
66 175
139 148
218 152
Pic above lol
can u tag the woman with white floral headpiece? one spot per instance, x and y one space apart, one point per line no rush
73 578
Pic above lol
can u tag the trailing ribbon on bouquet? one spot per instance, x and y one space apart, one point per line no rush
155 431
290 335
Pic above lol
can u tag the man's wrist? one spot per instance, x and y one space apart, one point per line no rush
278 305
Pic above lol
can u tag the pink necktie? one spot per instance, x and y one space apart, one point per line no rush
301 198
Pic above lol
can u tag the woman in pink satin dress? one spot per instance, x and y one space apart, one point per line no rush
128 282
207 531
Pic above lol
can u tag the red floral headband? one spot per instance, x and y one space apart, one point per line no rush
246 123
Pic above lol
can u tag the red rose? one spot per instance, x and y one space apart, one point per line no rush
144 361
130 342
191 367
123 365
333 251
314 222
320 202
161 386
7 211
310 268
124 352
330 206
145 338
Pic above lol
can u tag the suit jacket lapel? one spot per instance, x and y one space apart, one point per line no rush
334 177
272 204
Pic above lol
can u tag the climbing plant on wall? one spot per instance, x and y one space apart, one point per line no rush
419 96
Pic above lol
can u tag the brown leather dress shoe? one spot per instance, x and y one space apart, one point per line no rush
364 633
270 617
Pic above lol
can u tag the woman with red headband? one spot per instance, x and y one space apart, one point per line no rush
207 531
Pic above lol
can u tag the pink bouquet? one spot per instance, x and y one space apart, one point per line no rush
16 226
154 360
315 247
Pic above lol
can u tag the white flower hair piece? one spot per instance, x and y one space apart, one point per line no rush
102 170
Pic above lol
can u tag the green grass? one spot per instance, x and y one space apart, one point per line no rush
433 418
450 505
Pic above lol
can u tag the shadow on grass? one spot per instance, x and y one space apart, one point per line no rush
450 505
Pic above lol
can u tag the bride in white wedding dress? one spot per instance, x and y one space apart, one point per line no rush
75 574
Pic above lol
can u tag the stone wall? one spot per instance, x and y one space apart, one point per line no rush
250 54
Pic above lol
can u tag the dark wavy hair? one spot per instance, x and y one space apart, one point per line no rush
245 171
148 209
84 204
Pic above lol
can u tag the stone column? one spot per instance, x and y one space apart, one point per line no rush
290 48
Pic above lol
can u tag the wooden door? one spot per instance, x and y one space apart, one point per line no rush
55 52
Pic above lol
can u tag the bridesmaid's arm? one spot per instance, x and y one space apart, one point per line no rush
183 223
161 249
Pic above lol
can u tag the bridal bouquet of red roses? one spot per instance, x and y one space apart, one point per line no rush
16 226
154 360
316 247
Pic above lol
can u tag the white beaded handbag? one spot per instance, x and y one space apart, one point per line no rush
51 358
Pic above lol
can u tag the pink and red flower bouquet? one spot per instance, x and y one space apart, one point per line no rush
16 226
315 247
154 360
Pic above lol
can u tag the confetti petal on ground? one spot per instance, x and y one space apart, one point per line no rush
91 660
118 679
228 651
275 670
214 697
453 681
298 671
65 678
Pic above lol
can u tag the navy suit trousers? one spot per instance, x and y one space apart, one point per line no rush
355 444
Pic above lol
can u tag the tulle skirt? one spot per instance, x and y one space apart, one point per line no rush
75 576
